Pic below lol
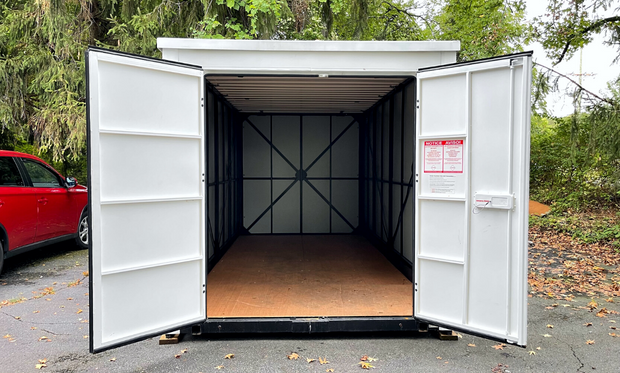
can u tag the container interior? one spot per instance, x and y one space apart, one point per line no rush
310 196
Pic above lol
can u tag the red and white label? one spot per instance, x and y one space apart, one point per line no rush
453 156
433 156
443 157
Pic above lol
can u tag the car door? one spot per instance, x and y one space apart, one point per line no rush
54 216
18 205
146 190
472 179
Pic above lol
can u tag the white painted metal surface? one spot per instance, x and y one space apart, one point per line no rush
277 57
146 188
473 139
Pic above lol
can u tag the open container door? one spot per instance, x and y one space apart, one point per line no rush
146 190
472 190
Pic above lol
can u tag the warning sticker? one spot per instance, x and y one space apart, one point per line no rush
443 157
453 156
433 156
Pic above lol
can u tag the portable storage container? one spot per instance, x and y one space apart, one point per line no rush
307 186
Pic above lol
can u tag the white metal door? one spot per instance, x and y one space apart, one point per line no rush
472 193
146 167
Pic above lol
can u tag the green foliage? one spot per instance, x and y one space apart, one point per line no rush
241 19
486 28
585 228
565 171
569 25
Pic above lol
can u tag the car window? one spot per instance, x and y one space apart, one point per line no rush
9 174
41 176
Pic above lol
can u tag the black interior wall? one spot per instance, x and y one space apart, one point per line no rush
300 173
386 181
224 170
384 185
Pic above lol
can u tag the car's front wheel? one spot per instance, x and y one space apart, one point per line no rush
82 232
1 257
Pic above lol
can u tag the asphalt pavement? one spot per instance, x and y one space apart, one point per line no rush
44 320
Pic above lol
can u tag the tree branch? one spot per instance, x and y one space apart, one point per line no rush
611 102
593 26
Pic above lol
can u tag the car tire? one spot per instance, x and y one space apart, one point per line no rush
1 257
82 232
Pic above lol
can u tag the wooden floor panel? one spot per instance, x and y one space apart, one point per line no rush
306 276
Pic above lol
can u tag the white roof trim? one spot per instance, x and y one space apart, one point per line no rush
309 46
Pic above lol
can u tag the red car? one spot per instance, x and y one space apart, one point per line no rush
38 206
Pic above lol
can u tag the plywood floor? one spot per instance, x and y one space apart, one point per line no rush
297 276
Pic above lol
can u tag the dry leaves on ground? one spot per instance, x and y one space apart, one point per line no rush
229 356
323 360
293 356
365 365
562 267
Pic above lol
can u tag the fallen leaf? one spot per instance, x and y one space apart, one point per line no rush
372 359
547 335
610 300
7 336
177 356
499 346
35 311
79 311
588 324
40 366
539 348
43 338
42 361
438 358
532 352
219 367
33 328
329 370
364 358
310 360
590 342
613 334
85 337
602 312
365 365
85 273
612 327
549 326
183 351
17 317
69 298
113 359
229 356
293 356
592 305
323 360
471 344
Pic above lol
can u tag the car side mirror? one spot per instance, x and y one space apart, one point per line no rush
71 182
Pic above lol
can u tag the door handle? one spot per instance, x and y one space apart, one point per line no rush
43 201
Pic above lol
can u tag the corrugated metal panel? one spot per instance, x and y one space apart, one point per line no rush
274 94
